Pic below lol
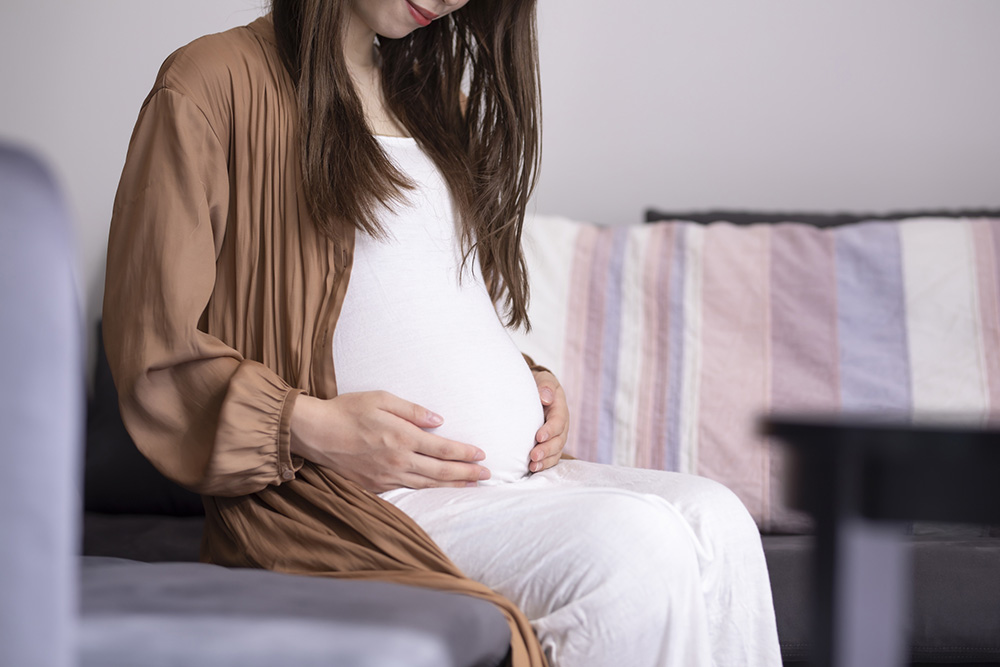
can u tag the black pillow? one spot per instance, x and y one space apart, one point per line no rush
816 219
118 479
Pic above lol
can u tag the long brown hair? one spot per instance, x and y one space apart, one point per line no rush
488 152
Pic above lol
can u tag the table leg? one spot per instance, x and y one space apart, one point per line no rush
873 594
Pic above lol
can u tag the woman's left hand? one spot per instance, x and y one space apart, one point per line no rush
551 437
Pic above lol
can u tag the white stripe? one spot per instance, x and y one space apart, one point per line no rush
691 383
942 319
549 243
630 352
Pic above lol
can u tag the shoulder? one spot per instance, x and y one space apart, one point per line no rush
215 70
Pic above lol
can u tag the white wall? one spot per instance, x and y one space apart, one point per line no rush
843 104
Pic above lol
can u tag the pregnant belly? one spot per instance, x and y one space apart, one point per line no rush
494 406
463 367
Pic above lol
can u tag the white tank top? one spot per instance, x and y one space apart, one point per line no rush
410 327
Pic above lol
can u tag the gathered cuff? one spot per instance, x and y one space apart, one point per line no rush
287 464
253 440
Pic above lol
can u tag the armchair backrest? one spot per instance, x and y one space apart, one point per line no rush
41 417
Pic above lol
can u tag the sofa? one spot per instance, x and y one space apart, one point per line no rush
110 576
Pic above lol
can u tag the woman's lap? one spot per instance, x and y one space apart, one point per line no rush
551 499
494 533
582 529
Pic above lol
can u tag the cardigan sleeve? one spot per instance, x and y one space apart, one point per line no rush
206 417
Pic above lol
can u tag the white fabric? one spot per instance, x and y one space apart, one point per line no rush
615 566
409 326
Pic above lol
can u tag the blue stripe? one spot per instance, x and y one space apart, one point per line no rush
871 319
609 350
675 353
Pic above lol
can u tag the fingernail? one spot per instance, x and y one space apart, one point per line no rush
535 467
484 473
543 436
434 418
480 455
472 484
547 395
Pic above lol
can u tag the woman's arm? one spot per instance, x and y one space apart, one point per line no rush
205 416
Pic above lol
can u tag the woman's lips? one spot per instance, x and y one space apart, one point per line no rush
421 15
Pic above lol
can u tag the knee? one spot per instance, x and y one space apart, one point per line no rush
636 576
721 511
637 542
640 568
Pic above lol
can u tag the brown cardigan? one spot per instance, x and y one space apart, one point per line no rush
219 309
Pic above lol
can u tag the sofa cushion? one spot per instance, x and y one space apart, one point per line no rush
195 614
673 339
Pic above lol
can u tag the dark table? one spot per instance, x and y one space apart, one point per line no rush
862 479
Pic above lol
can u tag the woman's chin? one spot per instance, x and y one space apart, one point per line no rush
396 33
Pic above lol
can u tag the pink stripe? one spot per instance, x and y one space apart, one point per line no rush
576 327
593 344
653 377
805 366
984 233
661 383
734 361
806 358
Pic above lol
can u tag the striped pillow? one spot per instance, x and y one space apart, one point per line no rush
672 339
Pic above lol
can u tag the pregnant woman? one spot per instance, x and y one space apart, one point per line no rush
314 256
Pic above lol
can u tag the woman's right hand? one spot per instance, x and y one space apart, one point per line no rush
378 440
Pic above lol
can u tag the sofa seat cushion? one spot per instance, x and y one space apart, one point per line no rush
196 614
955 609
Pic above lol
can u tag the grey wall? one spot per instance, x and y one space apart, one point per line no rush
845 104
72 76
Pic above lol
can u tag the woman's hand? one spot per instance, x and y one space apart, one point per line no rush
551 437
378 440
